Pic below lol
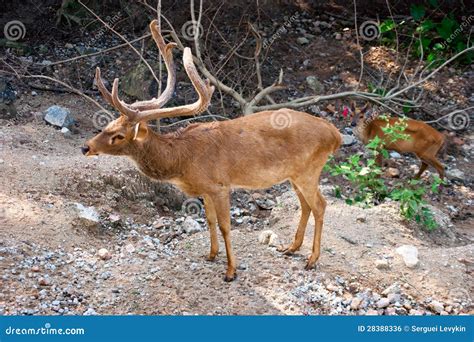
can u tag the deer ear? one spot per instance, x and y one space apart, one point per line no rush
353 107
365 108
140 131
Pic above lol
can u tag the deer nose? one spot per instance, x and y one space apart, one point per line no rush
353 124
85 149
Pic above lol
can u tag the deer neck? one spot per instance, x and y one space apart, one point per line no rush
361 131
158 156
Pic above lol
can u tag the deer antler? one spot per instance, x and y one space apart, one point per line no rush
166 51
151 109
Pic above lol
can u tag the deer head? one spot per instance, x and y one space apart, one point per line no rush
121 136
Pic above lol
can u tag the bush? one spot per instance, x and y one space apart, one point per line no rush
369 189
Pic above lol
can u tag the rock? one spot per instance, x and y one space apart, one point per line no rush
302 40
392 172
383 303
104 254
59 116
35 269
382 264
436 306
90 312
409 254
274 241
348 140
191 226
264 237
395 155
87 213
455 174
338 36
361 218
372 312
44 281
105 275
315 84
7 97
139 82
355 303
65 131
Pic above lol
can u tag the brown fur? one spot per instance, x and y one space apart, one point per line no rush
425 141
210 159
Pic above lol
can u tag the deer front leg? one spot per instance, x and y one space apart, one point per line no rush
212 223
222 205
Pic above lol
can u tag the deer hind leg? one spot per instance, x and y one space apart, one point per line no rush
299 236
422 169
431 160
211 217
222 206
309 187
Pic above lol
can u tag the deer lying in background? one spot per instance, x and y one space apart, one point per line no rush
209 159
425 141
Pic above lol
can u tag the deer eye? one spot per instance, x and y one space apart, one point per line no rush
117 137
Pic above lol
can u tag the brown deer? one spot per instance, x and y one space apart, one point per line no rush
425 141
209 159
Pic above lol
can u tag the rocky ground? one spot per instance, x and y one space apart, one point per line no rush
92 236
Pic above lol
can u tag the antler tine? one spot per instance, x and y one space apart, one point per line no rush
166 51
121 106
203 88
102 89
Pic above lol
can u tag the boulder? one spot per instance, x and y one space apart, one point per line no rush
59 116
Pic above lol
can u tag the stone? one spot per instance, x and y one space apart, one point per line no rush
348 140
130 248
383 303
395 155
455 174
392 172
409 254
302 40
139 82
7 98
264 237
372 312
274 241
382 264
59 116
355 303
436 306
338 36
315 84
90 312
191 226
361 218
44 281
104 254
87 213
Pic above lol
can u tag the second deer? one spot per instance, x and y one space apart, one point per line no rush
425 141
209 159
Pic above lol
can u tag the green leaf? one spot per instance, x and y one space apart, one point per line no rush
433 3
417 11
387 25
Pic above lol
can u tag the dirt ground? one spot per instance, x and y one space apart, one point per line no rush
49 258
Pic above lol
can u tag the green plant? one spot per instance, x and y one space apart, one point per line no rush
434 39
368 188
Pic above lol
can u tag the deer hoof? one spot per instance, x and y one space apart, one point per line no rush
286 251
309 266
211 257
228 278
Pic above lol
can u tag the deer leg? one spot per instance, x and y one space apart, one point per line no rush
422 169
222 205
212 223
299 236
379 160
310 190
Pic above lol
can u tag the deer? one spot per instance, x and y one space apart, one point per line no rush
210 159
424 141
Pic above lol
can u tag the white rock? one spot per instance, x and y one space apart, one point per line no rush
191 226
104 254
88 213
383 303
409 254
264 237
273 241
436 306
130 248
